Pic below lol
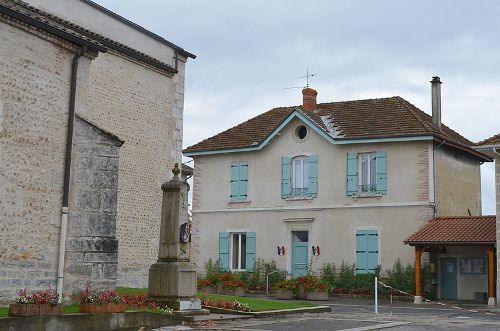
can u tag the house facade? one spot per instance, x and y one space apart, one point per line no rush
328 182
90 123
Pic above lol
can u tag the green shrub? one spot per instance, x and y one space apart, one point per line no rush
346 277
400 277
328 273
212 269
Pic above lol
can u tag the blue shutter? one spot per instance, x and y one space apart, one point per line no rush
286 177
235 180
361 246
352 173
224 251
366 251
250 253
382 172
312 187
243 185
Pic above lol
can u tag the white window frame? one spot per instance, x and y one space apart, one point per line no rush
231 251
305 176
372 157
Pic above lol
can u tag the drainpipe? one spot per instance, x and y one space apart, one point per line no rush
67 172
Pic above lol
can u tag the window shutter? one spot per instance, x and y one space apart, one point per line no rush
286 177
243 185
235 180
366 251
352 173
250 253
224 251
312 187
382 172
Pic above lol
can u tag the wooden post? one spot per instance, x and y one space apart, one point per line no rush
491 276
418 277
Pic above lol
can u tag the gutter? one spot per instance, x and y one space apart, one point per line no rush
67 172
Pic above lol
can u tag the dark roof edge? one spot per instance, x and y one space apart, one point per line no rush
453 143
455 243
139 28
50 29
105 132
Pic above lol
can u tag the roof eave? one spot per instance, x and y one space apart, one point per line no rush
444 243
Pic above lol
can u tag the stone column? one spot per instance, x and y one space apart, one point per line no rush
172 279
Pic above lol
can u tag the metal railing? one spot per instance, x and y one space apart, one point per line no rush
298 192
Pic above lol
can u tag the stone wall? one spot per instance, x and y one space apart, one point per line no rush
34 94
92 247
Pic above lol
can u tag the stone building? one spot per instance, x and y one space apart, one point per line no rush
125 86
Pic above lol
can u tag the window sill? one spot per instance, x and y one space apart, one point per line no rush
368 195
239 202
298 198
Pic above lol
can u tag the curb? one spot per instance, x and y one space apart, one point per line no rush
318 309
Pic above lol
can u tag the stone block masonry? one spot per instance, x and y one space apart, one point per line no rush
92 247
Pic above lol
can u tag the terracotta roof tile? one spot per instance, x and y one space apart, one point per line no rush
490 141
370 118
456 230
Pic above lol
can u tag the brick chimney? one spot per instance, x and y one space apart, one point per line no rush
436 101
309 99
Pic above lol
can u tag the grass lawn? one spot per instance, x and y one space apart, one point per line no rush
131 290
257 304
4 311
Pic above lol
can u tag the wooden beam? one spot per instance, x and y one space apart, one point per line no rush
491 272
418 277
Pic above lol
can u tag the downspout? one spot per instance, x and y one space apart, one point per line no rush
434 174
67 172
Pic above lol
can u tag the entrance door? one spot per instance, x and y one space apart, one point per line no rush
449 278
299 253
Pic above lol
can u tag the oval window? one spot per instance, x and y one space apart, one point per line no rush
301 132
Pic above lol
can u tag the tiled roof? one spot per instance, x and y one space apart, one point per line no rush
51 21
490 141
456 230
370 118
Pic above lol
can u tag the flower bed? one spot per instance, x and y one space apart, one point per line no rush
43 302
101 302
225 304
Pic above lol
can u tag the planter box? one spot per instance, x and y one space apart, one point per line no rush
95 308
284 294
208 290
317 295
302 293
237 292
34 310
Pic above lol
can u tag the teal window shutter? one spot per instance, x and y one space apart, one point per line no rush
382 172
243 180
312 187
235 180
366 251
250 253
239 180
352 173
224 250
286 177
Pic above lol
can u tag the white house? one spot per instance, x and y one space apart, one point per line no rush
329 182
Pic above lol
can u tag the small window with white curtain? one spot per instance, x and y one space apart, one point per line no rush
300 176
238 251
367 170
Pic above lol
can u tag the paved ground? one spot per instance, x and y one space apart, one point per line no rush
358 315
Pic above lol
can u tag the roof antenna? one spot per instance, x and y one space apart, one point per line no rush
307 80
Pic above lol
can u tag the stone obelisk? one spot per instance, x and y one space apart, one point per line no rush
172 279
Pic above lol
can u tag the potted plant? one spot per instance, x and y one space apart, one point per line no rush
286 289
44 302
205 285
315 289
101 302
234 287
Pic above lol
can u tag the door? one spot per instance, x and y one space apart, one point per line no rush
299 253
449 278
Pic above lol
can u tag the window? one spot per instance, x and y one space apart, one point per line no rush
367 179
300 177
238 251
301 132
366 173
366 251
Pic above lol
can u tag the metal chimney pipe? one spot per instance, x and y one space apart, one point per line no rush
436 101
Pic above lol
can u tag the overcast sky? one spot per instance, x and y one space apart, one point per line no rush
249 51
